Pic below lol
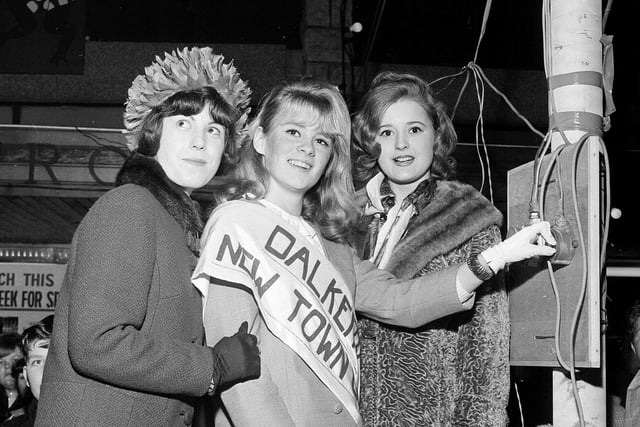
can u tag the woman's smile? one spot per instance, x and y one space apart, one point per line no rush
403 160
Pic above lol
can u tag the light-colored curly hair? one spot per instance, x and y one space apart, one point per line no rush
330 203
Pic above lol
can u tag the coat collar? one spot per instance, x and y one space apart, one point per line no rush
147 173
454 215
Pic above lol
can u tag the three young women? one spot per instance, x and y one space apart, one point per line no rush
278 259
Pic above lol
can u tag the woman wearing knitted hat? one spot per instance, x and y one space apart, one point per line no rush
127 341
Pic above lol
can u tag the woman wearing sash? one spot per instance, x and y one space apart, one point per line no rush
278 259
418 219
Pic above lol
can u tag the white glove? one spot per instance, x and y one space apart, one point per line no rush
533 240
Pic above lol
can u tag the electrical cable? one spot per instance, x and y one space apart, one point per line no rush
554 285
536 200
343 11
504 97
537 165
606 213
480 128
574 325
605 17
476 68
462 90
556 294
583 290
374 32
603 253
483 28
480 111
607 207
451 78
479 79
515 385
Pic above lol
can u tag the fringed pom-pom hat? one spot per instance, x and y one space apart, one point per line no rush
180 70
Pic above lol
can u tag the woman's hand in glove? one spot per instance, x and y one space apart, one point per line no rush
533 240
236 358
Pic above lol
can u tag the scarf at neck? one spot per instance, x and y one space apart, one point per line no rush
451 216
147 173
381 201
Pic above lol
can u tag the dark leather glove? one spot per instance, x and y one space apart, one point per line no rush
236 358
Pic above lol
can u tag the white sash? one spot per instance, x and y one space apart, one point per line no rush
301 296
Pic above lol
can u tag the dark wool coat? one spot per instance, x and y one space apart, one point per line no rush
127 338
454 371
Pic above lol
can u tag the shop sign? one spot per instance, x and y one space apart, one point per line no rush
28 292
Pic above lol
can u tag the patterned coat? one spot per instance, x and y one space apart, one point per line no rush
453 371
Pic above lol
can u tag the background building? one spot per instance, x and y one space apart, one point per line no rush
65 70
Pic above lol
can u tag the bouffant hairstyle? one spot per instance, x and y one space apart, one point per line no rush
330 203
386 89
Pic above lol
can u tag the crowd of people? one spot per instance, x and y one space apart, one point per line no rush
22 361
295 300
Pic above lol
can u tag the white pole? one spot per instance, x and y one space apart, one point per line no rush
573 66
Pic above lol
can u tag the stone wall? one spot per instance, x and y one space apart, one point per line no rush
110 67
322 39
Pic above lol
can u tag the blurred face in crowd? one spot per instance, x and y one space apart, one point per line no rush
35 366
6 364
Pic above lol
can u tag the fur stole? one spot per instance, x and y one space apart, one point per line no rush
147 173
454 215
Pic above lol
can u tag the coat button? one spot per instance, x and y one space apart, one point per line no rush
194 339
338 408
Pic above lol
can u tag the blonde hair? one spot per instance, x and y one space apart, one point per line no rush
330 203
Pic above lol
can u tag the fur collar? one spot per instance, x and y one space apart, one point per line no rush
147 172
456 213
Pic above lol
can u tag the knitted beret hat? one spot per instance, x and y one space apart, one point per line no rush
185 69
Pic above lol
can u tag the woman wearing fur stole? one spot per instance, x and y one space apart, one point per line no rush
127 345
454 371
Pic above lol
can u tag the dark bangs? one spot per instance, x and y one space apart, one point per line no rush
191 102
188 103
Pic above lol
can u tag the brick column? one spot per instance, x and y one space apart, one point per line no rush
321 39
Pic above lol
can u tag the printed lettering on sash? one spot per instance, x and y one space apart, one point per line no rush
301 296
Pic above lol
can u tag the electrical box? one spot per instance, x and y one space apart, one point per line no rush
532 301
